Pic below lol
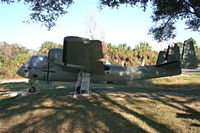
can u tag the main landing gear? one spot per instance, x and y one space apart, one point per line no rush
83 86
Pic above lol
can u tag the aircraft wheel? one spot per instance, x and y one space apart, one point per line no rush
78 90
109 82
32 89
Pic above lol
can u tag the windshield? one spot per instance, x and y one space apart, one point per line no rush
37 61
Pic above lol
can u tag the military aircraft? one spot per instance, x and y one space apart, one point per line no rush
80 61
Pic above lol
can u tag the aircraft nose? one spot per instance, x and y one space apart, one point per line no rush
20 71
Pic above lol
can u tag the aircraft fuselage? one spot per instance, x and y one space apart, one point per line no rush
59 72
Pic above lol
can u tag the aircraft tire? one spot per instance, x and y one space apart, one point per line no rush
78 90
32 89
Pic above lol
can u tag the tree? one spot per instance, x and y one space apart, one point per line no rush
194 42
180 44
44 49
143 46
144 51
93 29
169 11
11 57
45 11
165 13
123 46
124 55
91 25
10 51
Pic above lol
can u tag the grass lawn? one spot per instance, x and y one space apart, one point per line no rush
165 105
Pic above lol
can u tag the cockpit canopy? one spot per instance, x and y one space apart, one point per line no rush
37 61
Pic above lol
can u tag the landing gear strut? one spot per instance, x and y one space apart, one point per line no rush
32 88
83 84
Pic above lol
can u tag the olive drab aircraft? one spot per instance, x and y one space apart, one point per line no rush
80 61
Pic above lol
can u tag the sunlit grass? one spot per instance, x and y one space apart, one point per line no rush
159 105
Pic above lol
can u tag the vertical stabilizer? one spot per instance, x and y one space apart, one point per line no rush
172 54
188 59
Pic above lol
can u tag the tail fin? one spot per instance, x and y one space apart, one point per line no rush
188 58
172 54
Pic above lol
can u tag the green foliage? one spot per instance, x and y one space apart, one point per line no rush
167 12
143 46
109 45
2 59
124 55
11 57
180 44
197 50
194 42
19 60
122 46
10 51
163 32
18 49
44 49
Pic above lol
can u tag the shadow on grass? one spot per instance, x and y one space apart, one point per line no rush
52 111
62 114
157 126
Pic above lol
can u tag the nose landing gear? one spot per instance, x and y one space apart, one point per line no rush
32 89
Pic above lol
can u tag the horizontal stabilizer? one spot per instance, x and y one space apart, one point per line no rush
172 68
170 65
187 57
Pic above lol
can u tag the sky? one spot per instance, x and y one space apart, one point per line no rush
123 25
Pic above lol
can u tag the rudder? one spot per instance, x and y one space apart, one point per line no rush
188 58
